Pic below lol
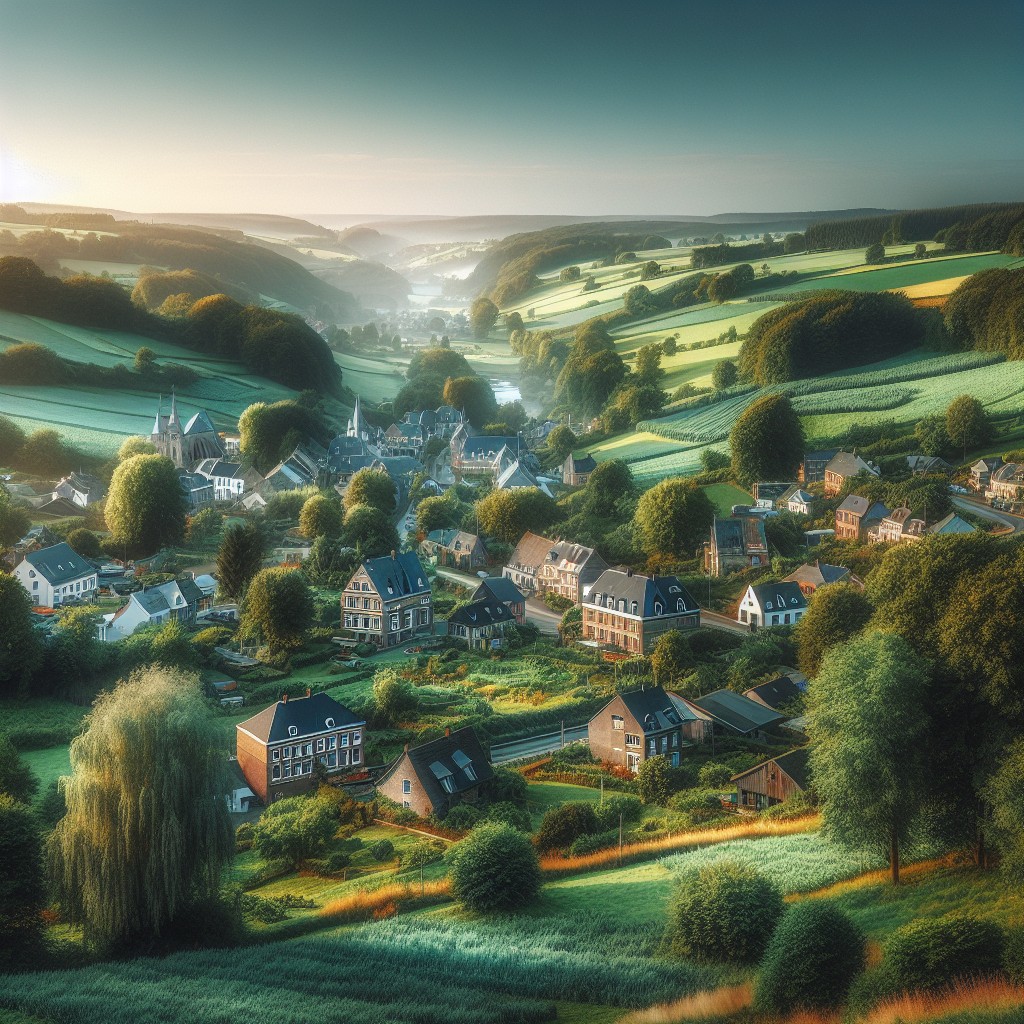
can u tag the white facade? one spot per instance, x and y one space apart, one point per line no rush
56 575
755 610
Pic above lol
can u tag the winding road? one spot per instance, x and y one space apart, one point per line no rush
1013 523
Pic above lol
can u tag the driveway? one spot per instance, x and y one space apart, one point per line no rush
716 620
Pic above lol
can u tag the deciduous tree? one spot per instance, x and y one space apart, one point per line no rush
767 441
507 515
16 778
20 645
323 516
472 394
494 869
673 517
22 886
836 615
373 487
482 315
967 423
278 608
145 509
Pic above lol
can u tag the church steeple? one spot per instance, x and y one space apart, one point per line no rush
173 423
357 420
158 426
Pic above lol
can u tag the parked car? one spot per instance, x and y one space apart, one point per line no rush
957 489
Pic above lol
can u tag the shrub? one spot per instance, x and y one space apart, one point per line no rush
427 852
244 835
653 780
562 826
494 868
629 807
509 814
811 960
337 862
590 844
462 817
725 912
382 850
713 775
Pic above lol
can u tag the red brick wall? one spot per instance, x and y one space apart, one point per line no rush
252 759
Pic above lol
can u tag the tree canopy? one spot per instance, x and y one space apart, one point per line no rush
767 441
838 613
322 516
373 487
145 509
508 514
673 517
278 608
239 558
472 394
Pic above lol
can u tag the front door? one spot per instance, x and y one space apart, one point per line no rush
633 762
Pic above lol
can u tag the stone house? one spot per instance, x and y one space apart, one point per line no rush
856 516
388 601
737 543
480 625
553 566
844 466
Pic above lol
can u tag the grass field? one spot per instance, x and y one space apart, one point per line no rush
724 496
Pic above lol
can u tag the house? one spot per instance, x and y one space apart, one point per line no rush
950 524
517 475
185 445
477 454
635 726
896 526
388 601
922 464
179 599
80 488
811 575
772 604
499 588
576 470
812 469
778 694
982 470
737 543
856 515
62 508
844 466
1007 482
197 489
455 549
277 748
480 624
239 797
433 777
230 479
734 713
798 501
404 438
56 575
553 566
772 782
628 612
768 492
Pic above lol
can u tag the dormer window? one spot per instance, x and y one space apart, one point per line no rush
658 608
679 604
293 730
634 606
329 723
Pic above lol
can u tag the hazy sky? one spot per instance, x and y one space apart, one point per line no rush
386 106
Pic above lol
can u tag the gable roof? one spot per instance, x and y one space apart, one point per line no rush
847 464
656 709
614 585
821 455
481 613
927 464
454 540
863 507
489 444
583 464
819 573
501 588
220 468
739 534
86 483
794 763
396 577
986 465
200 424
776 693
446 758
533 550
737 712
952 524
784 596
61 506
59 564
801 496
307 715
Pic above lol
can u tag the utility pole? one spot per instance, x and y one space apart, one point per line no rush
563 733
620 839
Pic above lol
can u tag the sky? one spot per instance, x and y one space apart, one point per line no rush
560 107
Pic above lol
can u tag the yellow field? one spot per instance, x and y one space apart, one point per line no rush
931 289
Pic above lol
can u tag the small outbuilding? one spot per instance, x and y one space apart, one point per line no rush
772 782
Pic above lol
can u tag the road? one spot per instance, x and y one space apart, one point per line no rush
535 745
1013 523
537 612
716 620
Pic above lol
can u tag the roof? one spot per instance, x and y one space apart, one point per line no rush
1011 471
861 507
199 424
517 475
206 583
782 596
614 585
85 482
737 712
456 540
192 593
847 464
819 573
739 533
307 715
776 693
446 758
221 468
153 601
899 516
952 524
62 507
583 464
822 455
481 613
802 496
927 464
986 465
489 444
793 763
397 576
59 564
656 709
500 587
534 550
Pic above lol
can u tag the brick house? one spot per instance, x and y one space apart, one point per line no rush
433 777
480 625
553 566
772 782
844 466
455 549
277 748
856 515
627 611
388 600
576 471
633 727
812 469
737 543
504 590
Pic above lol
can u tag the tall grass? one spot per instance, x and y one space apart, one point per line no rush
368 905
972 999
719 1002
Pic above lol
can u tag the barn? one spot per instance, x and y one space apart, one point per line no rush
772 781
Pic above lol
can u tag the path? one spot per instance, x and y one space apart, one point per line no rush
716 620
535 745
1012 522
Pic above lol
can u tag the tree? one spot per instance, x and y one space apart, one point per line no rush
811 961
561 826
482 315
930 434
203 527
494 869
920 251
724 912
609 483
21 649
653 781
239 559
671 657
871 782
16 778
373 487
435 513
369 532
85 542
263 429
561 443
875 253
145 509
712 461
1006 796
794 242
394 699
14 521
327 565
45 453
513 321
135 446
474 395
278 608
967 423
146 832
835 616
669 345
673 517
22 886
767 441
74 652
295 828
724 375
507 515
322 516
648 364
145 360
12 437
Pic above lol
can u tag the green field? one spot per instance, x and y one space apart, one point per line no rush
724 496
48 765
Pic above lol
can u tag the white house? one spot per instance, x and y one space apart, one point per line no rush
229 479
800 502
56 575
176 599
772 604
80 488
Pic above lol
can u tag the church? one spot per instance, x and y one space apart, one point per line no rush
188 445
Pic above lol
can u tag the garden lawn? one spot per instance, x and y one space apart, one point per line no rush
543 796
48 765
724 496
639 894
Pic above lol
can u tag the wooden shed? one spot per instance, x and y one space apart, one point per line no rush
772 781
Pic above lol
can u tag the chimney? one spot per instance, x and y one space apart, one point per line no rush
447 730
309 691
406 747
284 698
393 553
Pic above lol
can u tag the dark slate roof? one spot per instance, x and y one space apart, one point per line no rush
62 507
86 483
740 533
308 714
793 763
487 444
615 585
223 468
397 577
863 507
819 573
779 597
152 601
776 693
344 446
737 712
481 613
59 564
446 757
657 709
822 455
500 587
199 424
584 464
189 590
456 540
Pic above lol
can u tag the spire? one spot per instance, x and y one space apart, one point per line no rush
158 427
357 420
173 421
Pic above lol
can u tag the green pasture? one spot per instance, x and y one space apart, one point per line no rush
724 496
48 765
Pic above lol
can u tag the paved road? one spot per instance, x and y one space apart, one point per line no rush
716 620
1014 523
537 612
535 745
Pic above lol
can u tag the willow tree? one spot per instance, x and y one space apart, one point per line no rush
147 829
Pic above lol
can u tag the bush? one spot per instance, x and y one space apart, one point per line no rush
562 826
653 781
494 868
725 912
713 775
630 807
796 806
508 814
591 844
382 850
427 852
462 817
244 836
811 961
508 786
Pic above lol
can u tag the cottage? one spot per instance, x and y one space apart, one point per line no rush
554 566
812 469
230 479
498 588
737 543
80 488
576 470
455 549
517 475
772 782
435 776
844 466
982 470
180 599
56 575
779 694
633 727
628 612
388 600
811 575
923 464
856 516
277 748
772 604
896 526
798 501
733 713
480 625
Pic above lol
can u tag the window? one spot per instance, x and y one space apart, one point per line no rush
276 754
658 607
679 604
276 774
345 739
675 739
356 737
332 760
332 742
424 616
356 756
394 622
293 730
287 771
406 786
632 740
329 723
618 722
405 804
307 767
308 749
321 745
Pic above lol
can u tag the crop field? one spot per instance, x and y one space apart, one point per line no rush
638 445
